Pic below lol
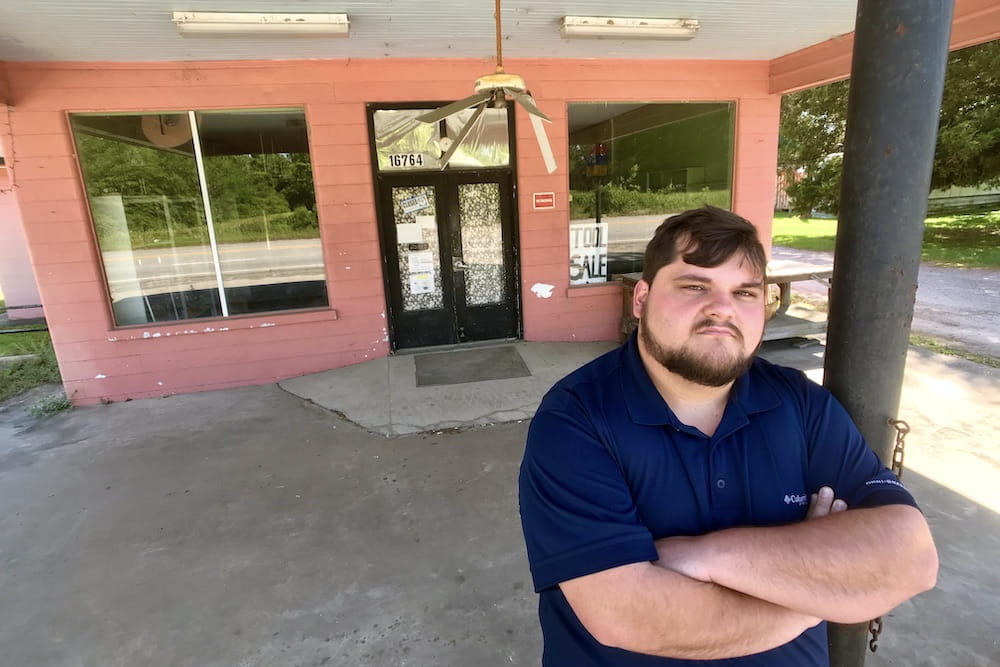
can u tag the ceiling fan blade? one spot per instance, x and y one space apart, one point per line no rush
543 143
526 101
462 135
454 107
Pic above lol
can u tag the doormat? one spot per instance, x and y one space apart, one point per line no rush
476 365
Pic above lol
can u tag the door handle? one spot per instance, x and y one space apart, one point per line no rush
458 265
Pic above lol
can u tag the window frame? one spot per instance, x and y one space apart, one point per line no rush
187 326
733 105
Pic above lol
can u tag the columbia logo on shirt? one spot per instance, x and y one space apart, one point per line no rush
795 500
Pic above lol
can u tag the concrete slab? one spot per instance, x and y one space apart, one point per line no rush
248 527
391 403
251 527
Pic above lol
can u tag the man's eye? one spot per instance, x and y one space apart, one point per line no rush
747 293
695 287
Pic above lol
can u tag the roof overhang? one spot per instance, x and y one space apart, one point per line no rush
975 22
806 44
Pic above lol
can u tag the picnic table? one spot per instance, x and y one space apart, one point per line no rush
784 272
780 272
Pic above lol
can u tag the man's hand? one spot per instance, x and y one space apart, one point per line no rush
682 555
822 503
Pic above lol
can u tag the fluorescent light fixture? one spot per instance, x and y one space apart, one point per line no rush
628 28
249 23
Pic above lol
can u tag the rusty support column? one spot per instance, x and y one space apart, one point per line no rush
897 76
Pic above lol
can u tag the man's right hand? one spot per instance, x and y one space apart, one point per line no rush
823 503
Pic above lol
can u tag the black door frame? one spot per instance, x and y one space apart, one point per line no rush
383 182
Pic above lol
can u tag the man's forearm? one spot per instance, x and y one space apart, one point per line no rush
649 609
846 567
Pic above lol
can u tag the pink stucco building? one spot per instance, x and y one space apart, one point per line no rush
375 236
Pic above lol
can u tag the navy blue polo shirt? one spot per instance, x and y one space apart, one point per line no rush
609 468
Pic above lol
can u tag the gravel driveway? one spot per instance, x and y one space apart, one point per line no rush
958 305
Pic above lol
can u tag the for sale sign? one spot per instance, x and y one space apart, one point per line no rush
588 253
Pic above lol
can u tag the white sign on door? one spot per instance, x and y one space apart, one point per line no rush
412 204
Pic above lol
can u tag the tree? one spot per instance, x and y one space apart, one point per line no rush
811 139
292 175
811 146
968 143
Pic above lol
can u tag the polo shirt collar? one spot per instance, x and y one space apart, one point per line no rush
751 393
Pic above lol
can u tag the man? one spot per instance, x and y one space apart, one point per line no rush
678 494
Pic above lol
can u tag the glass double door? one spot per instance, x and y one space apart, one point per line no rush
450 252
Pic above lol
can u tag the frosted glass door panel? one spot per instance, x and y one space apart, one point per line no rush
482 243
414 211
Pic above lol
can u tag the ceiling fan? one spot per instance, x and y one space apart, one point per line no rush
493 90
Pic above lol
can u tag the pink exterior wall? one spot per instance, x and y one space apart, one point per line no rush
17 280
100 362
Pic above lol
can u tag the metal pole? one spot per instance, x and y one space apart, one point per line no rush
597 201
897 76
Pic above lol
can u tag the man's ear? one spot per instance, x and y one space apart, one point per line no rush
639 295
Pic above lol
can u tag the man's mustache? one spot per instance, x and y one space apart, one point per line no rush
709 323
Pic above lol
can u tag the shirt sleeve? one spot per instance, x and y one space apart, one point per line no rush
577 512
840 458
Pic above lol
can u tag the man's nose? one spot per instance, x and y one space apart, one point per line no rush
720 306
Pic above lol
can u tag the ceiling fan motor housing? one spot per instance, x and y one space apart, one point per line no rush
498 81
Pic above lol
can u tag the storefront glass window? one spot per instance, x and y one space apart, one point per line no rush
212 221
634 164
403 143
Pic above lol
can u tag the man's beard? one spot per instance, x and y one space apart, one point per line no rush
698 368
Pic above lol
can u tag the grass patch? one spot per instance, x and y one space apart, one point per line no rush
16 343
964 240
28 374
50 405
942 347
971 240
804 234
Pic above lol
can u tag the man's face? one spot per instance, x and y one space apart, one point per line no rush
703 324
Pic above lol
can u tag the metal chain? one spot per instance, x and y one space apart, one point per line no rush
902 428
874 627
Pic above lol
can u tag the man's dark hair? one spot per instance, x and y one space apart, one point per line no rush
706 236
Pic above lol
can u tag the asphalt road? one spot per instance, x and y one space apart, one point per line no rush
959 305
191 267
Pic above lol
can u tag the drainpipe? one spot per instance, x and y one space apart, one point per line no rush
897 76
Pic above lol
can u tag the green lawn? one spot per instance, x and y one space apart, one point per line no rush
943 347
957 240
26 374
21 343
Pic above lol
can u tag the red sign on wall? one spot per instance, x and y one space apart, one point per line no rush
544 200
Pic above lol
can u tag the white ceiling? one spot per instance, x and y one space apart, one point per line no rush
141 30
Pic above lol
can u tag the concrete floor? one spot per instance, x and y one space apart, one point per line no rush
255 527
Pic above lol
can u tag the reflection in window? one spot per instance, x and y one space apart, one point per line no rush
403 143
254 248
632 165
